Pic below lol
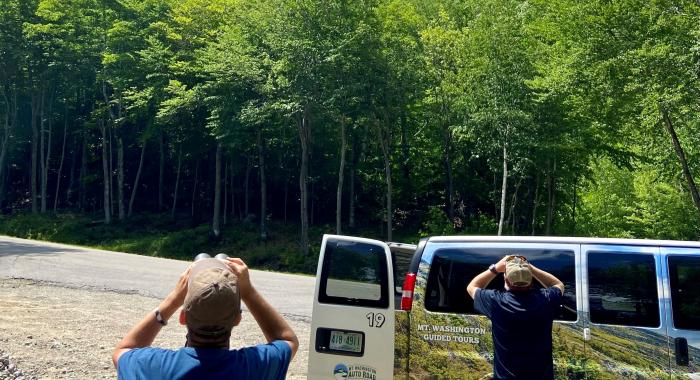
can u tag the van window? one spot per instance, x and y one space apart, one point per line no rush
453 269
402 263
684 273
354 274
622 289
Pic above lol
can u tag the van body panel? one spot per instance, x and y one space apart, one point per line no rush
402 345
681 283
352 327
456 343
622 294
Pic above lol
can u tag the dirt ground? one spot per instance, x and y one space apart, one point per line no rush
54 332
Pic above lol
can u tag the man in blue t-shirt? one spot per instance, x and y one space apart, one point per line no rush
521 317
210 293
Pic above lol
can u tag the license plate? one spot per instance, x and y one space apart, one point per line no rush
350 342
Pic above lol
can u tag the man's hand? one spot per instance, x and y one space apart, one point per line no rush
240 269
501 265
177 295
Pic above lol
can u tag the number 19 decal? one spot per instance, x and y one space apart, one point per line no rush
375 319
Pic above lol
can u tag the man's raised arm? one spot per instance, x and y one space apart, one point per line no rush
270 321
547 279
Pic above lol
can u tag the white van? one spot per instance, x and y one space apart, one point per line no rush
631 309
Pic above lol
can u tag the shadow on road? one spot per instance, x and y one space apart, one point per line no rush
24 249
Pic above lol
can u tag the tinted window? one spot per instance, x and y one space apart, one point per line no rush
622 289
402 262
453 269
684 274
354 273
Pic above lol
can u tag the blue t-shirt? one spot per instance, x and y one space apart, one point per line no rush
265 361
522 331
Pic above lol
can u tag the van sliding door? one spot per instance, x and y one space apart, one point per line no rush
683 310
622 289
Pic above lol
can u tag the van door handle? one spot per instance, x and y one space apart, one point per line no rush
681 351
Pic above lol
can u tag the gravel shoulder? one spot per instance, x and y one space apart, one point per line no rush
58 332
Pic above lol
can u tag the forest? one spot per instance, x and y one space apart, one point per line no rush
387 118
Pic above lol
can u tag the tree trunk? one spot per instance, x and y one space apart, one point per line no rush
573 209
263 186
74 151
535 202
36 104
10 121
341 175
177 183
513 202
161 170
63 155
83 172
246 186
304 134
447 148
312 198
71 176
681 158
120 151
120 177
504 187
225 212
384 140
351 196
45 149
194 186
111 166
216 220
550 198
286 196
137 179
405 149
233 192
105 173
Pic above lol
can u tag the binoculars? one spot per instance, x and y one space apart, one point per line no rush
220 256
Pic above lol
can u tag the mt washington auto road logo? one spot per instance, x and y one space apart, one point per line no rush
354 372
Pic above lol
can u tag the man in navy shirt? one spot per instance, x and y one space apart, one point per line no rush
210 292
521 317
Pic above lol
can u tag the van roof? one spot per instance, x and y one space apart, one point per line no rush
563 240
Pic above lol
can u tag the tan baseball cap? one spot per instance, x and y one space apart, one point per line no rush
212 303
518 271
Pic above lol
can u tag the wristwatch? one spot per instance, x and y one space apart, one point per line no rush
492 268
159 317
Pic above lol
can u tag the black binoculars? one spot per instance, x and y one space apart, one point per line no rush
220 256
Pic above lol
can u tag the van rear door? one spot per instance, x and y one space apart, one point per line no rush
682 296
352 326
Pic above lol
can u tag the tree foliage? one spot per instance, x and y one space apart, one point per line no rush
544 117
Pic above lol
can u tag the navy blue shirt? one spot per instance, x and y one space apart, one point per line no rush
266 362
521 329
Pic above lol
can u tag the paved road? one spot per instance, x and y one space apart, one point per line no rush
121 272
